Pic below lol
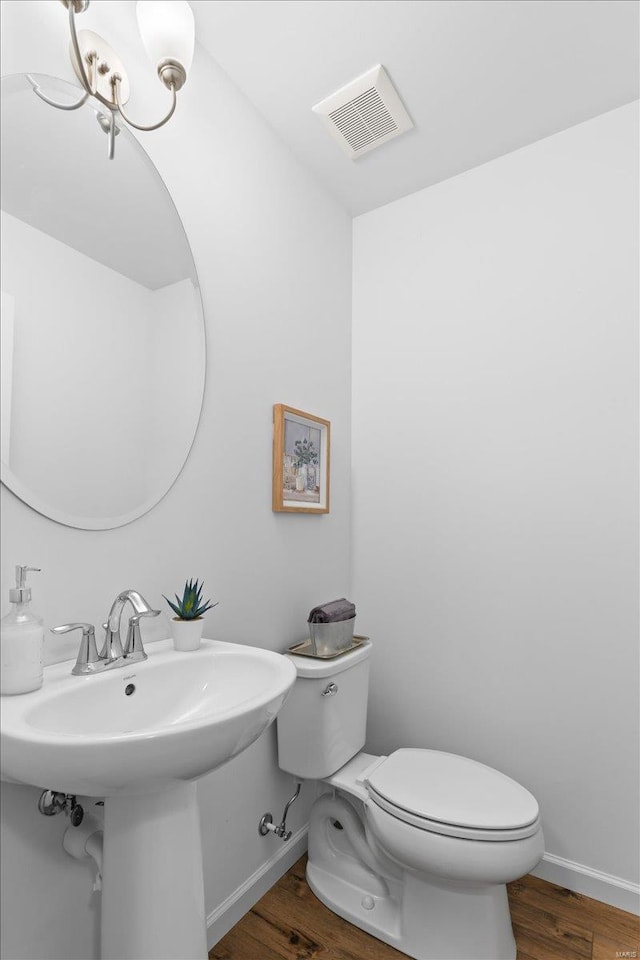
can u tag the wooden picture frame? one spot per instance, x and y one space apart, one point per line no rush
301 461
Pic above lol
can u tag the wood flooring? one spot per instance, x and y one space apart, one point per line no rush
549 923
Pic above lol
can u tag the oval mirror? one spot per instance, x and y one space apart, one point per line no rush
103 341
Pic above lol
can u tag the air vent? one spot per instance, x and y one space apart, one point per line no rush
365 114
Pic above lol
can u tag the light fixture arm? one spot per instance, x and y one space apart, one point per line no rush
116 80
111 149
87 83
88 80
54 103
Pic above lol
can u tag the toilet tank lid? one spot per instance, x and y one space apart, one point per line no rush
314 669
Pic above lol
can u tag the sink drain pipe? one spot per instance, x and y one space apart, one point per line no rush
85 841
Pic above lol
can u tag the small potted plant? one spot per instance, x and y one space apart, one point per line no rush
187 625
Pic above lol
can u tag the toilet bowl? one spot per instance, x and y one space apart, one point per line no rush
416 847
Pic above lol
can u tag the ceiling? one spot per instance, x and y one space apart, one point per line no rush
480 78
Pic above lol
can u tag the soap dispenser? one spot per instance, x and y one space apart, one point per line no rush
21 639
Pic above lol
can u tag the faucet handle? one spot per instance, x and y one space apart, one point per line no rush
88 653
133 647
133 644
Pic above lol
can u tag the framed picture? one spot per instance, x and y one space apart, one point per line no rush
301 453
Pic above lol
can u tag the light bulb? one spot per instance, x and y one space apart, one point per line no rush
167 29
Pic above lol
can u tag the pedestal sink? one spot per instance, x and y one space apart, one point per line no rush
140 738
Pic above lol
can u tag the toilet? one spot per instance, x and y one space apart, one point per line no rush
415 848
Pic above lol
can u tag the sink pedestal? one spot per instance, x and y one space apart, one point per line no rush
153 891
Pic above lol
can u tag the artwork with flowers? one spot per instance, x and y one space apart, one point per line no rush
300 461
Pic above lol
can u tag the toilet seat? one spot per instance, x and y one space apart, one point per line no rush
452 795
453 830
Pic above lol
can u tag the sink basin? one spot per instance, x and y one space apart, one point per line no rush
139 737
176 716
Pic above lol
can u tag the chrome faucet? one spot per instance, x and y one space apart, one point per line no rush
112 647
112 654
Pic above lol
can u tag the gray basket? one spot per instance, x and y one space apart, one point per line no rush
328 638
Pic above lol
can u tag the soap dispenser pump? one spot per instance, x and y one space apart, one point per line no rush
21 639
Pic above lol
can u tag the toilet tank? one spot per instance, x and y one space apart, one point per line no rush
321 727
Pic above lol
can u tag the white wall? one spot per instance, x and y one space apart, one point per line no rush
265 238
495 443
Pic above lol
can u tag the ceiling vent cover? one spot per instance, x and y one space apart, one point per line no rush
364 114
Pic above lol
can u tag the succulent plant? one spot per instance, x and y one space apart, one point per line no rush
191 606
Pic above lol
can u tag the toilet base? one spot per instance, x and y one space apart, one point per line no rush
425 918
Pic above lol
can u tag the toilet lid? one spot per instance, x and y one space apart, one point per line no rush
454 790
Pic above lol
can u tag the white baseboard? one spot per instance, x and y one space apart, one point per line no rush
227 914
565 873
591 883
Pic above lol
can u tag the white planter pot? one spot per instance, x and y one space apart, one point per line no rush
186 634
